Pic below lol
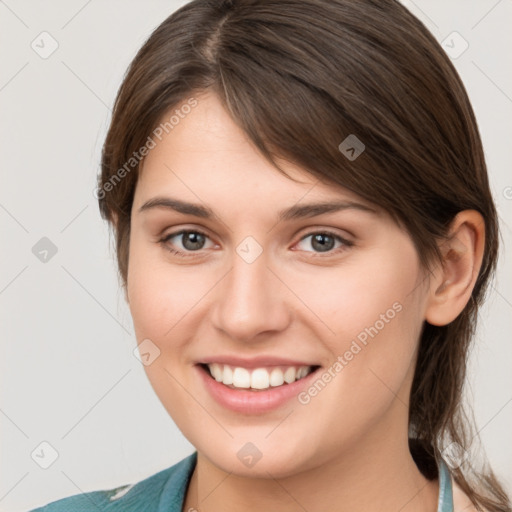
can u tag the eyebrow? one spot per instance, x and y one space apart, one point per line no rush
295 212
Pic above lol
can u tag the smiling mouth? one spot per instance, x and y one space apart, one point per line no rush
256 379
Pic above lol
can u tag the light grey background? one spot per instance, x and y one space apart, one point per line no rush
69 376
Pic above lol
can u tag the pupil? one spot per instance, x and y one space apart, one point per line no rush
191 239
323 246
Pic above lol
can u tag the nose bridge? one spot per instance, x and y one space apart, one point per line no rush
249 301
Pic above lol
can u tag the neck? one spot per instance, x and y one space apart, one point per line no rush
377 473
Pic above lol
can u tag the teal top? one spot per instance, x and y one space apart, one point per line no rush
165 492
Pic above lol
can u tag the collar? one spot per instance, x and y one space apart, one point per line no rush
445 502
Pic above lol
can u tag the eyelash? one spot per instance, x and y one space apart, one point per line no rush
166 238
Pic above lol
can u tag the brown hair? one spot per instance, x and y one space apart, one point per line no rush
299 76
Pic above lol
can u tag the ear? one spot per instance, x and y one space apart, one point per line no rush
454 279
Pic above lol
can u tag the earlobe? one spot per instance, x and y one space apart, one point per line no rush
454 280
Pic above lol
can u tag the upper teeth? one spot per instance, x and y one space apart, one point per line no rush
259 378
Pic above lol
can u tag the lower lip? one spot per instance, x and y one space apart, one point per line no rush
253 402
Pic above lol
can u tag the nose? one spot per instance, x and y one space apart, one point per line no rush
250 301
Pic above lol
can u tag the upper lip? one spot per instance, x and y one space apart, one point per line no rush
255 362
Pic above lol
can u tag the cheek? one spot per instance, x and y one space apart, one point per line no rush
159 294
376 289
160 298
371 319
376 324
165 302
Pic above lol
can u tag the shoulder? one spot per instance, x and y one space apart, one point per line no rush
144 496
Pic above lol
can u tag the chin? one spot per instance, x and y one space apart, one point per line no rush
259 459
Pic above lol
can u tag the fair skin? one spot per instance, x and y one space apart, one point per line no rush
346 449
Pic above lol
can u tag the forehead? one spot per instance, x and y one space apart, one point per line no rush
206 157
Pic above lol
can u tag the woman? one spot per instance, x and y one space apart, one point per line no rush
304 233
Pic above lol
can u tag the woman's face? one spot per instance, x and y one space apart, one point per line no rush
256 289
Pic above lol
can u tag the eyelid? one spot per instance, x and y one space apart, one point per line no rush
344 234
165 238
311 231
345 243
